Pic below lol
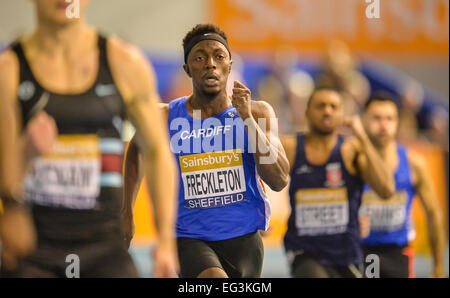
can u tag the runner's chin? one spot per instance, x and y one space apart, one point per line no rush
211 90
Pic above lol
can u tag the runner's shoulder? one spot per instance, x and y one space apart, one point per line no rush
9 63
128 62
130 68
164 108
262 109
350 149
351 145
124 53
9 73
291 138
417 162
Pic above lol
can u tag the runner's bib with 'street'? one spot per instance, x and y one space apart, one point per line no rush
221 195
390 219
321 211
324 209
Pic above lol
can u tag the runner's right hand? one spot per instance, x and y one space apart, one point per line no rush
356 125
41 134
17 235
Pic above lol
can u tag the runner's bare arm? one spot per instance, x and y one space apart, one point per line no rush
17 234
133 174
10 157
426 194
136 82
18 148
270 157
361 158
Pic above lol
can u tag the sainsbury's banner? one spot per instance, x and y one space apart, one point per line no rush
400 27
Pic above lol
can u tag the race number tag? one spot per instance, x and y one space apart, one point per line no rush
385 214
213 179
68 177
321 211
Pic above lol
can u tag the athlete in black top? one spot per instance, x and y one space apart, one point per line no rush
87 84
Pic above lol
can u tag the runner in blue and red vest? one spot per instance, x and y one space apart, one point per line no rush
327 178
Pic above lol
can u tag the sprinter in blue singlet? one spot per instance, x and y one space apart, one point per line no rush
391 226
221 200
327 174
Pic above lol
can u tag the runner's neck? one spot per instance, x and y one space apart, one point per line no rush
324 141
208 107
66 39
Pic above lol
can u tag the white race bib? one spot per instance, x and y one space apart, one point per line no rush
68 177
385 214
321 211
213 179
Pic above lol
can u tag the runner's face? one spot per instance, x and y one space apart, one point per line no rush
324 113
381 121
59 11
209 64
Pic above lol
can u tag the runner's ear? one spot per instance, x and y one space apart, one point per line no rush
186 69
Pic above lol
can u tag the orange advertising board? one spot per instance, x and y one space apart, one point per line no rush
415 27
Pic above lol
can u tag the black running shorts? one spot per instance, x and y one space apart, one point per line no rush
238 257
305 266
97 259
395 261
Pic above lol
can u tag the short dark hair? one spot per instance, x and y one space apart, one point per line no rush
381 96
322 88
201 29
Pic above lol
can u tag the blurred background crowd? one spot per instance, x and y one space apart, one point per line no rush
282 50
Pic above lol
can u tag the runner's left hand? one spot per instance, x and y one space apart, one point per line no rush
438 272
357 127
165 259
241 100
